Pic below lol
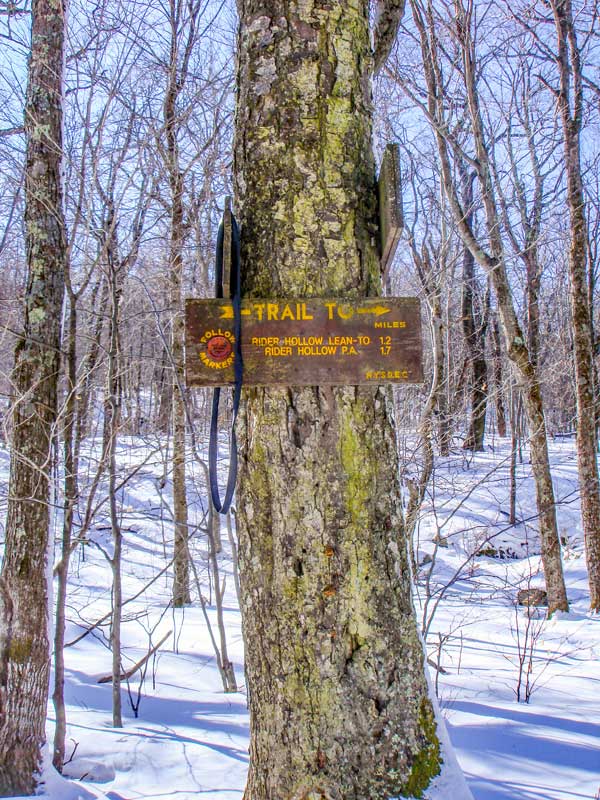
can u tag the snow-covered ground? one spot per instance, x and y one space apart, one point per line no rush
190 739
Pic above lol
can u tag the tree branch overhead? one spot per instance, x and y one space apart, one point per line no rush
388 18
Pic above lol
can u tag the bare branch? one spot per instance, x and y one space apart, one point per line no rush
132 670
16 131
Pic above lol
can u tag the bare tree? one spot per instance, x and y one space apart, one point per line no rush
24 636
475 312
493 261
193 88
183 21
430 256
497 371
570 102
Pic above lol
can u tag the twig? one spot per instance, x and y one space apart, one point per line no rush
437 667
126 675
124 603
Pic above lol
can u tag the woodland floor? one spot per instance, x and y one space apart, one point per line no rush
188 739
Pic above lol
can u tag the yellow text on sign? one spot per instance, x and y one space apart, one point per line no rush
280 312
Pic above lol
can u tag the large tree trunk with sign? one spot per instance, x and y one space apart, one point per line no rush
24 643
338 699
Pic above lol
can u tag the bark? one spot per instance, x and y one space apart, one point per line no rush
337 695
181 578
515 450
435 274
112 414
437 397
91 362
436 401
591 259
164 391
498 379
234 557
62 569
570 102
519 355
533 272
74 422
75 406
475 437
474 325
181 564
116 269
226 666
24 644
139 382
449 394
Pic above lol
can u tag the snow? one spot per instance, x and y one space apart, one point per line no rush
190 739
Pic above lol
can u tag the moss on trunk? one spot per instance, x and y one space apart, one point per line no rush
333 660
24 644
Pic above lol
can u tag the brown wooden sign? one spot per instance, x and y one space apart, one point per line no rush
390 206
306 342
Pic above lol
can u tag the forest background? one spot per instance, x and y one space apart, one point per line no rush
495 109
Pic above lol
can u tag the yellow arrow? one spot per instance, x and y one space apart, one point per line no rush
378 310
227 312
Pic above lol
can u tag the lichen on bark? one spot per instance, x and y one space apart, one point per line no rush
334 664
24 645
427 763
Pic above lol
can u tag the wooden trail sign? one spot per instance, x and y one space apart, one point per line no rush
390 207
305 342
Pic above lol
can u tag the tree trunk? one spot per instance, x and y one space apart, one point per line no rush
447 405
591 291
474 327
91 362
62 569
181 567
516 431
234 558
112 414
570 99
479 396
338 701
498 381
436 402
519 355
214 542
164 391
533 271
181 563
24 636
